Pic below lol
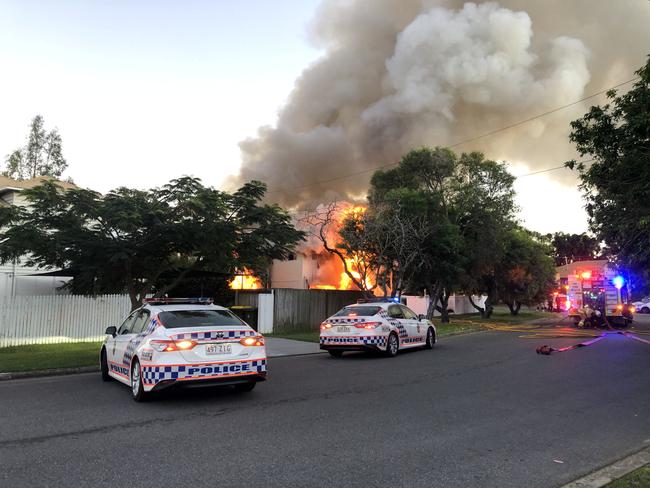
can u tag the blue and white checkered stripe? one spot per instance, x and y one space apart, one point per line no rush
215 335
362 340
154 374
402 331
135 342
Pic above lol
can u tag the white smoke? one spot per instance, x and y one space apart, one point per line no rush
398 75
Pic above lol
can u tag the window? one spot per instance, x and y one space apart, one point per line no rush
358 311
127 324
395 312
198 318
139 324
408 313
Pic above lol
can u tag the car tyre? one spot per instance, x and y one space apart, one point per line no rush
103 366
335 354
137 388
392 345
245 387
645 310
431 338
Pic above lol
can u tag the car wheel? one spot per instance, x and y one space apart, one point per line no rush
137 389
103 365
645 310
392 345
244 387
335 354
431 338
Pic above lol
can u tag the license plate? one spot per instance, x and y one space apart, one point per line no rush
343 329
214 349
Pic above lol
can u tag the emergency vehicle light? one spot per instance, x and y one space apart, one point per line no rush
178 301
252 341
618 281
170 346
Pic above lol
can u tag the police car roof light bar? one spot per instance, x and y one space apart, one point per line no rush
179 301
379 300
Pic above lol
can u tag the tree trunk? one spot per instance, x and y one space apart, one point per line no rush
514 307
489 307
136 302
433 300
443 308
481 310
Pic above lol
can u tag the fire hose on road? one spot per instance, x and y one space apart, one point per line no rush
533 331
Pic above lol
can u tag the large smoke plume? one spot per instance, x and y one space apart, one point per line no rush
401 74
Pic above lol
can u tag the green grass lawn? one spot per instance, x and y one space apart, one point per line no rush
459 324
639 478
47 356
50 356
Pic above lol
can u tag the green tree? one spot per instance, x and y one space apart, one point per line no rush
568 248
616 184
485 208
42 155
143 242
468 205
526 273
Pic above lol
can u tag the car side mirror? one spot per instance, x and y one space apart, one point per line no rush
422 317
112 330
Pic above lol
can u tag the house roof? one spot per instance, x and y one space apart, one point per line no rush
9 184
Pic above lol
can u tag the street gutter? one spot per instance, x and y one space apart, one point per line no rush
614 471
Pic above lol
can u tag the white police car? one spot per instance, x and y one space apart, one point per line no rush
186 342
377 325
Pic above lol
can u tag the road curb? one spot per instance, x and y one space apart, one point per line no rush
614 471
48 372
95 369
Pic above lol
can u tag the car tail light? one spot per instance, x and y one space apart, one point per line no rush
619 307
252 341
368 325
325 326
632 309
170 346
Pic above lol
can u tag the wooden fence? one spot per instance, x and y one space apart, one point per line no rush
56 319
298 310
70 318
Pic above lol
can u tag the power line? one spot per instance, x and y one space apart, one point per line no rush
465 141
547 170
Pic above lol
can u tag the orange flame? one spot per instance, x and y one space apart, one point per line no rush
245 281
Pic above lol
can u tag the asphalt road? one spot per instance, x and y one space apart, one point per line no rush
479 410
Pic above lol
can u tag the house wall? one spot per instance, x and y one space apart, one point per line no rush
296 274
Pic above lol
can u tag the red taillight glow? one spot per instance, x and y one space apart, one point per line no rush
170 346
368 325
325 326
252 341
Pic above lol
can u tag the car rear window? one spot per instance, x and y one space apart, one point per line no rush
198 318
358 311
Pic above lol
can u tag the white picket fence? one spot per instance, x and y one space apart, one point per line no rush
56 319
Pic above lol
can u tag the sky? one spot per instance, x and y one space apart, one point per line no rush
144 92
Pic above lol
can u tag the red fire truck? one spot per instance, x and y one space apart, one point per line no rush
595 286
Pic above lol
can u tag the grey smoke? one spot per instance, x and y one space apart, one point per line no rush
401 74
